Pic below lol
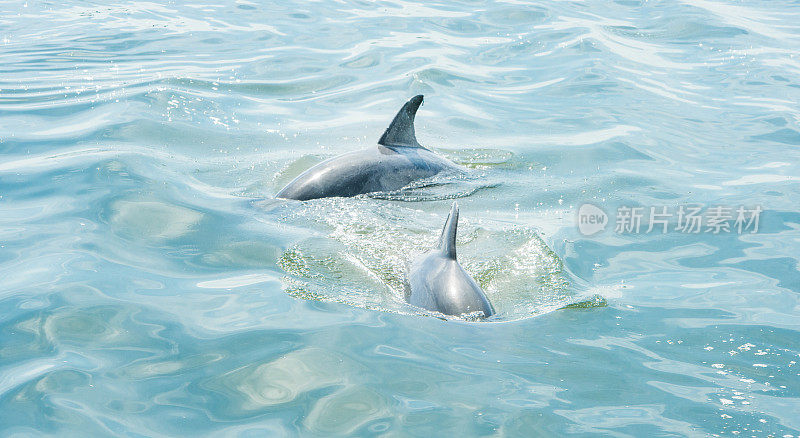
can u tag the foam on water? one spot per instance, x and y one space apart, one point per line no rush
363 255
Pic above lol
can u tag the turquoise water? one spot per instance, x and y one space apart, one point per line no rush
150 284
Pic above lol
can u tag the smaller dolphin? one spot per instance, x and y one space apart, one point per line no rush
436 281
397 161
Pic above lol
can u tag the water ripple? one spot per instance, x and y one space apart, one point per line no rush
150 282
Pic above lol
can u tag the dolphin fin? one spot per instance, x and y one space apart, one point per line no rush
447 243
401 131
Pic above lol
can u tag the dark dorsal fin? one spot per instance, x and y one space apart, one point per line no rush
447 243
401 131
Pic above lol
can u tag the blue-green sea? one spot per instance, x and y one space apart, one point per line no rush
152 285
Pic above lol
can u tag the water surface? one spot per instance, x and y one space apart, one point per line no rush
150 284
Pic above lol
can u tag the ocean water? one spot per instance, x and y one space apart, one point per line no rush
151 284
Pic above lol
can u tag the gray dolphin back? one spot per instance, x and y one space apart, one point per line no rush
397 161
436 281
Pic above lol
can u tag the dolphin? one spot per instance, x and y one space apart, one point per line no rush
397 161
436 281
